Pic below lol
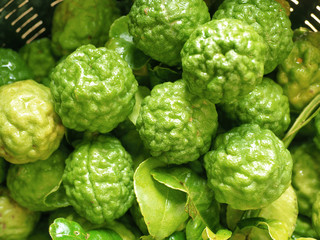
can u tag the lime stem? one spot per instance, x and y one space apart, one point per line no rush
303 119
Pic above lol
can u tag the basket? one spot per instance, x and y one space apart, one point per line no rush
22 21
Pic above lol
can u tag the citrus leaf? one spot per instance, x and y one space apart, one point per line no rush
57 198
163 208
103 234
222 234
121 41
200 197
119 29
65 229
139 96
276 229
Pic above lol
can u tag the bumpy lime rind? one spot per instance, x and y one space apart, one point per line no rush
266 105
245 165
30 184
76 23
299 74
160 28
306 175
30 130
16 222
39 57
93 89
176 126
223 59
269 19
12 67
99 179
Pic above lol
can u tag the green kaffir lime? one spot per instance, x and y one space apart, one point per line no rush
223 59
30 130
266 105
160 28
176 126
99 179
93 89
306 175
16 222
36 185
269 19
39 57
12 67
78 22
248 168
299 74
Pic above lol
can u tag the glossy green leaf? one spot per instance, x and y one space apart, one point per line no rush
64 229
134 57
195 228
57 197
160 74
121 41
163 208
139 96
276 229
200 197
222 234
103 234
121 229
119 29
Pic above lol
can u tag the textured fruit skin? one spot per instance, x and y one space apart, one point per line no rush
12 67
30 130
223 59
29 184
16 222
306 175
176 126
39 57
269 19
160 28
299 74
93 89
77 22
248 168
266 105
98 179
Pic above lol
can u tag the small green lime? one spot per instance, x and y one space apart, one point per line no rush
93 89
223 59
265 105
299 74
99 179
30 130
269 19
39 57
306 175
76 23
248 168
176 126
16 222
36 185
160 28
12 67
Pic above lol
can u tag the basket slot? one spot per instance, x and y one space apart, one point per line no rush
305 13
